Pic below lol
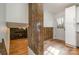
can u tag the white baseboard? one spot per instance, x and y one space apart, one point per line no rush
70 45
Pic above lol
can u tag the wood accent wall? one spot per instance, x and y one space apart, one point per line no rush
48 33
35 29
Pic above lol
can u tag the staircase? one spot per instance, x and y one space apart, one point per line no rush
2 48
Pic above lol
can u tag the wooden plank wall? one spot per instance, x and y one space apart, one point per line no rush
48 33
35 36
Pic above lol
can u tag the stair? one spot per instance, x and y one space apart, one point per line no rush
2 48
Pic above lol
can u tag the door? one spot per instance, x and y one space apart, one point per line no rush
70 25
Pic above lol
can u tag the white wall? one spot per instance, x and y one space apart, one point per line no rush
78 14
49 20
77 26
2 22
59 33
17 12
7 40
3 28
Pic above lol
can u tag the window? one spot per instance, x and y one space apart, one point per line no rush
60 22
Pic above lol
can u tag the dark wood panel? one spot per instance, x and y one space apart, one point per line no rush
18 33
48 33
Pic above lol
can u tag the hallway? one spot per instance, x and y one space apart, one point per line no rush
58 47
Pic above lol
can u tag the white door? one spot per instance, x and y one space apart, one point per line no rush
70 25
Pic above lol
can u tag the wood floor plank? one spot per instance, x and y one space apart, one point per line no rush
60 46
19 47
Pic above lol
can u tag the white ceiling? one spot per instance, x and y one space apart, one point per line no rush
56 7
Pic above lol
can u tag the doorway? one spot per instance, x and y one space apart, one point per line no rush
18 41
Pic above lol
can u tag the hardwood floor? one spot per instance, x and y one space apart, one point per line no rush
51 47
19 47
57 47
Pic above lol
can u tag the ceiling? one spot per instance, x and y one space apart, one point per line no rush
56 7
